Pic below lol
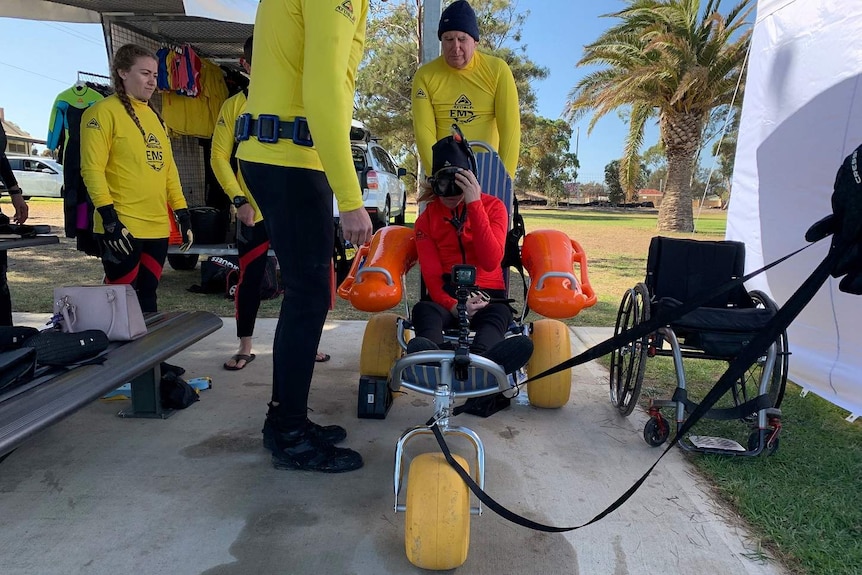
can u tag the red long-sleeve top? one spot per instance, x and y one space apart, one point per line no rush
480 242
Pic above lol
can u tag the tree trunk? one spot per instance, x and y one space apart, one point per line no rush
680 134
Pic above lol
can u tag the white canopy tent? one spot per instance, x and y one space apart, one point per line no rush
802 115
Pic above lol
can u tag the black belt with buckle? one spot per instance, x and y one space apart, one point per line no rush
269 129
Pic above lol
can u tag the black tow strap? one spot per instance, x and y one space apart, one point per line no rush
749 354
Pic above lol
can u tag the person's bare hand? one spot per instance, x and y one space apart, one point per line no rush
476 302
466 180
22 212
356 226
245 214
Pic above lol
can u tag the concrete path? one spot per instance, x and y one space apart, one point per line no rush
196 493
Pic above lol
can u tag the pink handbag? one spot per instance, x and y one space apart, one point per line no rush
113 309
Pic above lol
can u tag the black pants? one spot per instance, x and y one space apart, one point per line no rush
252 250
5 296
490 323
142 270
297 210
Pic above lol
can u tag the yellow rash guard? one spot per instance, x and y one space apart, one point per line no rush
121 167
222 149
306 53
482 99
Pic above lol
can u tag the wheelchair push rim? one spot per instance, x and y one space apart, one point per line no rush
629 361
747 386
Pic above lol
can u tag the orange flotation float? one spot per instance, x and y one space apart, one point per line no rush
376 278
555 292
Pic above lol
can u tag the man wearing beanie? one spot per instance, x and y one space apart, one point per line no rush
475 90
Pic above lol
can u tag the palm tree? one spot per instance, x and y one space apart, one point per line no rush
670 59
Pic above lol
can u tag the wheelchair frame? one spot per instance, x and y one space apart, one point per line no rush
756 395
437 502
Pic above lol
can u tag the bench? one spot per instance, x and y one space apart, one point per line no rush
32 407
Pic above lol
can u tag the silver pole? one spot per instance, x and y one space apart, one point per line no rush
430 45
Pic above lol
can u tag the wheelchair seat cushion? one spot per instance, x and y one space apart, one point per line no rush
719 331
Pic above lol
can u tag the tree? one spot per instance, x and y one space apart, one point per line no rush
671 60
725 152
546 164
392 55
616 194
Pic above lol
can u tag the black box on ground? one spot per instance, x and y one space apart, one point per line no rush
375 398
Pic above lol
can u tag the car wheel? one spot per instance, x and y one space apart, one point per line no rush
383 216
400 218
183 262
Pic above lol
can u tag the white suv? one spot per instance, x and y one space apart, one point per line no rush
37 176
383 192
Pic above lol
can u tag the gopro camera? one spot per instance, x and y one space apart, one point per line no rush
464 275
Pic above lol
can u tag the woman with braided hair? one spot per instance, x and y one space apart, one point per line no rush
129 169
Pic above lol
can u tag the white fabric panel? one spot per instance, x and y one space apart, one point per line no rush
45 10
802 114
241 11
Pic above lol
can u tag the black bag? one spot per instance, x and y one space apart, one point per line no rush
214 274
54 347
175 392
17 367
12 337
486 405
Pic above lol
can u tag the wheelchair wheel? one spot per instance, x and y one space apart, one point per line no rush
551 346
380 348
656 431
748 385
437 525
628 362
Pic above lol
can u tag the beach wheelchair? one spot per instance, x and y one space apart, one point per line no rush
437 502
677 270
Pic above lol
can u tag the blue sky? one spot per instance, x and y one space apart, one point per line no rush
40 59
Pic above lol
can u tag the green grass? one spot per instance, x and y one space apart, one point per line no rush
803 504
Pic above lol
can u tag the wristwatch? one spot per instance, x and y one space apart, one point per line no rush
239 201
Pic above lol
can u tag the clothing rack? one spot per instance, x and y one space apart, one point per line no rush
91 77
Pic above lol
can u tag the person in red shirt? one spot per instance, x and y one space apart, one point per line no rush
463 225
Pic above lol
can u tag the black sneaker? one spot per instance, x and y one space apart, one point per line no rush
327 433
512 353
421 344
302 450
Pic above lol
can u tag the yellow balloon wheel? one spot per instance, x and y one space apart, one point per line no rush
437 526
380 348
551 346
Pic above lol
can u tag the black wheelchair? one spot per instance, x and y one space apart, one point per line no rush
677 270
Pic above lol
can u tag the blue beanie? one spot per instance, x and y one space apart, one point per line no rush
459 17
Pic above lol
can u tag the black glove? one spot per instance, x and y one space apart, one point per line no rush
184 219
116 239
845 224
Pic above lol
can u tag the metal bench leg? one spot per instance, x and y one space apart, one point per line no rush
146 397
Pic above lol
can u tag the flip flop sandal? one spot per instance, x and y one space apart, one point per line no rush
236 358
322 357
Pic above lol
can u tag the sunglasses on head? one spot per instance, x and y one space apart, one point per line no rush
443 182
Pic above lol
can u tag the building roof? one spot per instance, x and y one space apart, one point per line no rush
15 133
650 192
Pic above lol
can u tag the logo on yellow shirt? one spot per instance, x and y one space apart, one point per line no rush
155 157
93 123
462 110
421 93
346 10
221 121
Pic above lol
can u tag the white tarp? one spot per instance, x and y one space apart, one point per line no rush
241 11
802 114
45 10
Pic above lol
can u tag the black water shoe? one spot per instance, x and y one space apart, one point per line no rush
302 449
